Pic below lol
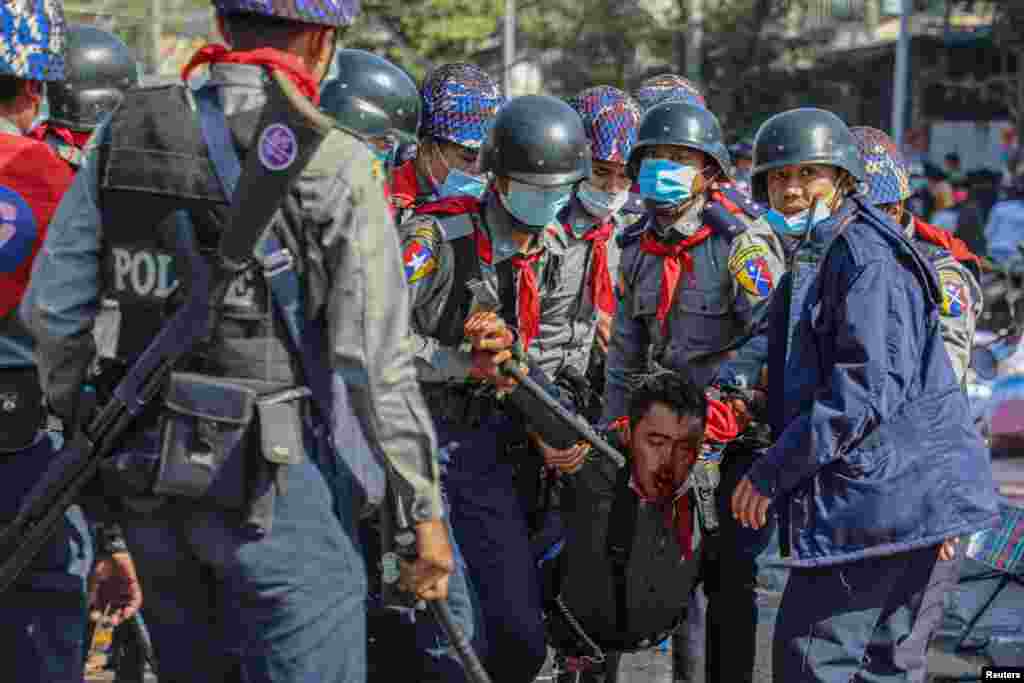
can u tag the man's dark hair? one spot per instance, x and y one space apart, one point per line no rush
681 395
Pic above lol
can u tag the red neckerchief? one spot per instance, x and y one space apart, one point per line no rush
268 57
528 295
941 238
451 206
405 185
675 259
74 138
600 278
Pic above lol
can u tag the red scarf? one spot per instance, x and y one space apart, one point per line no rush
405 185
268 57
600 278
721 426
453 206
675 259
528 295
940 237
74 138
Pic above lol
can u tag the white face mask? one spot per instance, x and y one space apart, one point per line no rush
599 203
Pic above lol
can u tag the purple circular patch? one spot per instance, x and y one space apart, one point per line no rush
278 147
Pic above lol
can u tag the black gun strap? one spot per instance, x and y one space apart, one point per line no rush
281 277
621 530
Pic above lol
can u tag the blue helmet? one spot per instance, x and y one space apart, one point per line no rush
885 171
460 102
34 35
611 120
323 12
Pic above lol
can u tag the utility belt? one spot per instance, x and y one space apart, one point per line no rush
463 403
225 442
22 409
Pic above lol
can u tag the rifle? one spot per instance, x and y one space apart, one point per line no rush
293 129
399 543
537 404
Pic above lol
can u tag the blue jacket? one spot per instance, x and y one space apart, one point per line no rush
875 449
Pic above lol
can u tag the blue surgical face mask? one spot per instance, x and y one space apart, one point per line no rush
798 223
535 207
598 203
459 183
666 182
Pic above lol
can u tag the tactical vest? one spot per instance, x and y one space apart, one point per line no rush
156 163
623 577
459 230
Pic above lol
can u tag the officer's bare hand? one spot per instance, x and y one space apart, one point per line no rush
947 551
566 461
427 577
492 342
749 507
604 331
487 332
114 588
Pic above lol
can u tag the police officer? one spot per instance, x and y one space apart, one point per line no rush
695 271
375 98
652 92
43 623
459 103
743 156
590 222
864 409
279 595
99 67
698 268
504 250
958 269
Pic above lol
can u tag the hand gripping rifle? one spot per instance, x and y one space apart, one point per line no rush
293 129
557 426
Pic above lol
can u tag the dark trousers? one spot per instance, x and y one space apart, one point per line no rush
867 621
43 616
286 608
738 575
491 529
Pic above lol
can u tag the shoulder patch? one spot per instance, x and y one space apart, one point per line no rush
954 293
18 230
723 221
749 265
419 259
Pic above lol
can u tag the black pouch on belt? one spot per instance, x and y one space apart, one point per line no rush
21 408
225 440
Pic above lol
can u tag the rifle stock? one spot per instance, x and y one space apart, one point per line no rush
260 192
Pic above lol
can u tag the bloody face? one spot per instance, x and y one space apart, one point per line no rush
664 446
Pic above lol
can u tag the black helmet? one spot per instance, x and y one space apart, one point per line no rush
538 140
803 136
683 124
99 67
372 96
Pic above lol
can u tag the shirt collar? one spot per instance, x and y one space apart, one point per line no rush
500 225
577 220
688 224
